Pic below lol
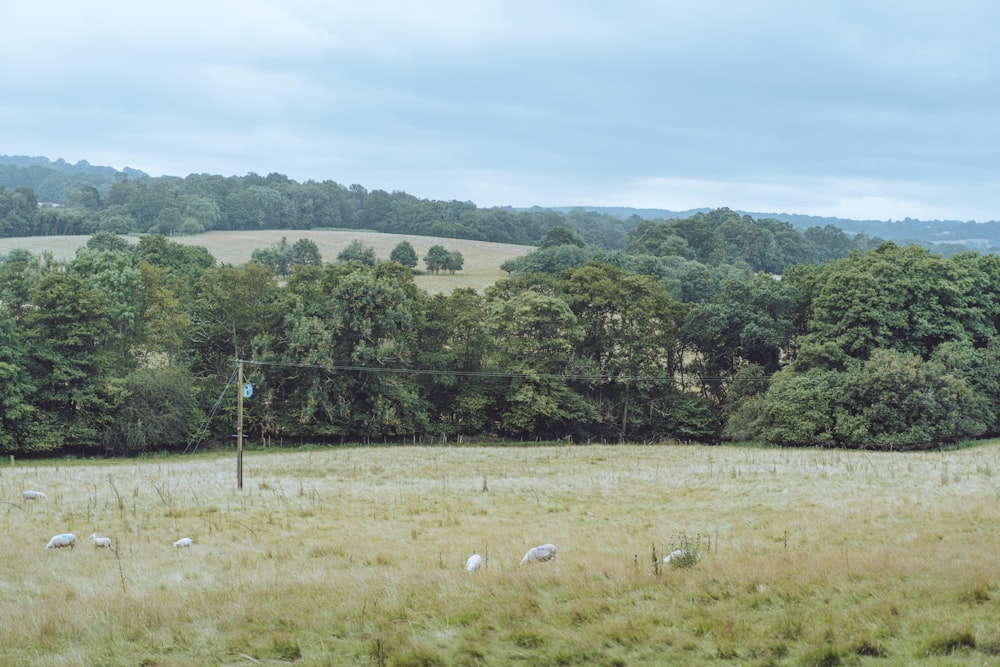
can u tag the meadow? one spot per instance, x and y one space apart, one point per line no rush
355 555
481 267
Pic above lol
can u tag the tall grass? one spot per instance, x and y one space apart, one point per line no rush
354 556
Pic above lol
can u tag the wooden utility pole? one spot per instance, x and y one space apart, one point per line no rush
239 425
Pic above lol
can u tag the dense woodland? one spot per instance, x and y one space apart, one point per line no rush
712 327
128 348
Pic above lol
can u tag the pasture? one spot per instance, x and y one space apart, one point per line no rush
355 556
482 260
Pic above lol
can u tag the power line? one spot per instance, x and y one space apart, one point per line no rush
208 418
583 377
488 374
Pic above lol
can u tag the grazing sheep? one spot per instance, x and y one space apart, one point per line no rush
183 542
100 542
64 540
474 563
32 495
540 554
681 557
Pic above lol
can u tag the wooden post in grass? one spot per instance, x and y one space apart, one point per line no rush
239 425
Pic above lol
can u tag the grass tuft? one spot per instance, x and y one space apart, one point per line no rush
949 643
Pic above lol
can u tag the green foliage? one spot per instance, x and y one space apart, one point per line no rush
558 236
404 254
900 298
112 274
437 258
356 251
106 240
892 401
551 260
67 335
16 410
455 262
364 322
675 338
746 322
282 258
305 252
183 265
230 307
158 410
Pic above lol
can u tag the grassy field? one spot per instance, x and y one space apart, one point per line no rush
354 556
482 260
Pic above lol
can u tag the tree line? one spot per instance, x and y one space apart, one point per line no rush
129 346
201 202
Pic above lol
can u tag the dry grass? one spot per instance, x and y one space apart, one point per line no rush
355 556
482 260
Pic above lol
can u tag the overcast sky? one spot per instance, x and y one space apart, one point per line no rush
871 109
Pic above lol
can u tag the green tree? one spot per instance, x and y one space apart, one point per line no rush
18 211
358 252
158 410
801 409
66 332
746 322
366 324
404 254
305 252
453 340
231 306
455 262
551 260
17 414
898 400
891 298
533 336
19 271
893 400
276 257
630 348
199 214
168 221
85 197
163 320
436 258
558 236
106 240
119 284
183 264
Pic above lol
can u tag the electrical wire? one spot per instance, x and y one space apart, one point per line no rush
208 418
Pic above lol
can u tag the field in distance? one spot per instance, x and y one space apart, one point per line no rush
481 269
356 556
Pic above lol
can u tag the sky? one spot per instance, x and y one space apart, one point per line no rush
868 109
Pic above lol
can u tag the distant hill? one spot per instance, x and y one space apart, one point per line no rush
982 236
51 180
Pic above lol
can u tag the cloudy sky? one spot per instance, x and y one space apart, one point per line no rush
866 109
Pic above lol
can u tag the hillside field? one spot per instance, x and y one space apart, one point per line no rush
481 266
354 556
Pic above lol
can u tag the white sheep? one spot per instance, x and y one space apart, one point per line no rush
540 554
183 542
63 540
683 557
32 495
100 542
474 563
